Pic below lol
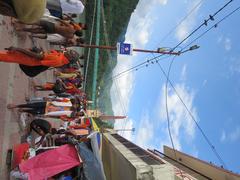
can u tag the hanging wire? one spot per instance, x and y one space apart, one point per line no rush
189 112
90 42
179 23
211 17
214 26
110 57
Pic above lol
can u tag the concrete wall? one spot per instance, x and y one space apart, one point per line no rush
205 168
120 163
114 163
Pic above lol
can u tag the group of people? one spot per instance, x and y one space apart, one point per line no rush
57 25
57 31
67 102
66 92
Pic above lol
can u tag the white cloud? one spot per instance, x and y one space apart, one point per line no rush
235 135
225 41
223 136
128 124
232 136
234 65
184 73
180 121
163 2
144 7
204 82
220 38
194 152
227 44
145 131
187 25
138 34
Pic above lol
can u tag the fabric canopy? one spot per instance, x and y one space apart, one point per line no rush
50 163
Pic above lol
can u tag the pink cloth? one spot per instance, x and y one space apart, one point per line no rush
51 162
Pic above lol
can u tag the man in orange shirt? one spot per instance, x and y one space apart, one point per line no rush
29 58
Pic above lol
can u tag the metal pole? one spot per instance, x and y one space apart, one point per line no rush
133 129
136 50
96 59
155 51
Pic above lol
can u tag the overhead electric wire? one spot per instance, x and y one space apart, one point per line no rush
90 42
211 17
137 66
177 46
191 115
110 56
214 26
167 112
189 112
185 17
151 59
179 23
168 81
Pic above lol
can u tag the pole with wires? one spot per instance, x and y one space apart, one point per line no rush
90 42
167 75
95 69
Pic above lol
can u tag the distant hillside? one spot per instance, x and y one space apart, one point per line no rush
117 14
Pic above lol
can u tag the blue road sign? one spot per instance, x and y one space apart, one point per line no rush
124 48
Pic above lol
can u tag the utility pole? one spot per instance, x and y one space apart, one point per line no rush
96 59
132 129
114 48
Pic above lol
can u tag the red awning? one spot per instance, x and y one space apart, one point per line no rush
19 151
51 162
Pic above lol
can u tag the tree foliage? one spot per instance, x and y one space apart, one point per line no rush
117 14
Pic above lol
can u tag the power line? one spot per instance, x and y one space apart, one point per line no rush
190 113
214 26
147 62
151 59
110 56
183 19
167 112
179 23
89 49
211 17
138 66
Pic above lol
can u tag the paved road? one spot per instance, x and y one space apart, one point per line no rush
14 87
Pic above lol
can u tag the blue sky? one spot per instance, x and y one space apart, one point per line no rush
207 79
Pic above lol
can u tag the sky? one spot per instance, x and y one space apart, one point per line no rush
206 79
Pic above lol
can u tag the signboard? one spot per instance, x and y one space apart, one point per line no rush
124 48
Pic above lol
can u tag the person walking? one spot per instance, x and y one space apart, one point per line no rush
29 58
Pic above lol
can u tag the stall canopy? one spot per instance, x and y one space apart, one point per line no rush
51 162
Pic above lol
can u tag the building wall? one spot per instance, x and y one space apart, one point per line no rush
123 160
115 166
119 163
205 168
